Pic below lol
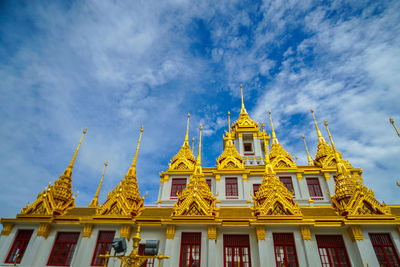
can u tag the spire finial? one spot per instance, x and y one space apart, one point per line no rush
71 164
95 200
310 162
266 158
192 145
274 139
243 110
320 138
187 130
137 148
394 126
229 121
199 155
337 158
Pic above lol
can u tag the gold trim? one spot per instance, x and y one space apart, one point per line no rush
87 230
305 232
126 231
212 232
355 233
260 232
7 227
170 232
44 230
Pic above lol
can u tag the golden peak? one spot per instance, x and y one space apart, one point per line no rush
71 164
229 121
391 120
199 155
310 162
187 130
274 139
95 200
243 110
137 148
320 138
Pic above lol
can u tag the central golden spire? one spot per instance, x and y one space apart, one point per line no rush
274 139
95 200
198 169
320 138
243 109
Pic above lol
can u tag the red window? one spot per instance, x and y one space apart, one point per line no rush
63 249
237 251
314 188
19 246
178 184
285 250
287 182
332 251
103 245
209 183
384 250
190 249
148 262
231 187
255 188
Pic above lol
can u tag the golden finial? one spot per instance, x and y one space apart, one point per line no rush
310 162
137 148
229 121
71 164
320 138
266 158
297 159
95 200
333 145
192 145
274 139
392 122
187 130
262 126
198 169
243 110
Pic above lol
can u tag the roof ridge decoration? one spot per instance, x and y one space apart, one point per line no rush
273 198
325 157
184 159
56 199
244 123
351 197
196 199
278 156
95 201
230 157
125 198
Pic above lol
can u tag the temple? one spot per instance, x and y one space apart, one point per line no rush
256 207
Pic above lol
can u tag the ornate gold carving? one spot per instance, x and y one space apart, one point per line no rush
212 232
299 176
170 232
184 160
351 196
7 227
230 158
327 176
260 232
196 199
217 177
244 176
272 197
57 198
125 198
355 233
44 230
87 230
126 231
305 232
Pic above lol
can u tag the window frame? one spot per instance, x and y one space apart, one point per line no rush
336 243
72 245
148 262
178 186
313 184
287 180
190 239
24 242
230 182
237 242
384 253
285 240
248 152
104 249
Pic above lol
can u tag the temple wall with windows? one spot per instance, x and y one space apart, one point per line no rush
255 207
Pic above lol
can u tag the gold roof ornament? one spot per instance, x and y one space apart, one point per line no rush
95 201
184 159
125 198
310 161
273 198
351 197
230 158
244 123
57 198
394 126
196 199
278 156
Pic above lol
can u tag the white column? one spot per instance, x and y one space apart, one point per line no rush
170 250
241 145
303 189
5 244
246 187
366 251
266 250
32 249
257 146
211 259
311 251
84 252
331 185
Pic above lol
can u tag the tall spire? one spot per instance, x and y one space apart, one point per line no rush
394 126
320 138
268 166
187 130
193 145
137 149
95 200
198 161
310 162
68 171
229 121
341 168
243 110
274 139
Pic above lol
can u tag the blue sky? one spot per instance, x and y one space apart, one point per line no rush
112 66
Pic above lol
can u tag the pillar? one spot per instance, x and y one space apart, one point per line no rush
265 246
310 247
363 246
330 183
170 246
212 239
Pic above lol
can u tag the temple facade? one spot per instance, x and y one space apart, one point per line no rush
255 207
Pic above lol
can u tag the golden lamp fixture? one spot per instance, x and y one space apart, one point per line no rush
57 198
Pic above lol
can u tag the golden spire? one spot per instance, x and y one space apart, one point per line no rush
137 148
198 161
268 166
243 110
68 171
392 122
229 121
274 139
95 200
320 138
193 145
341 168
310 162
187 130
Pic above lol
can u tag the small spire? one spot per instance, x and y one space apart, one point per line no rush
320 138
274 139
137 148
198 169
229 121
95 200
243 110
192 145
310 162
268 166
297 160
392 122
71 164
187 130
341 169
262 126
